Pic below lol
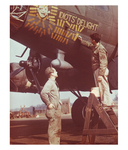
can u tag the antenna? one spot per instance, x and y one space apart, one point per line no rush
23 52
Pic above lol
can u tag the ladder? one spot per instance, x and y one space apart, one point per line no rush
108 117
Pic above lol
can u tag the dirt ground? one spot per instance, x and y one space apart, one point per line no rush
34 131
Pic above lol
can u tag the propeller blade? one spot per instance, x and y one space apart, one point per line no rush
15 72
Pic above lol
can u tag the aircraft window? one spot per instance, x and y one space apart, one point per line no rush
106 8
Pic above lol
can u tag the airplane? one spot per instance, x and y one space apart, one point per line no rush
51 34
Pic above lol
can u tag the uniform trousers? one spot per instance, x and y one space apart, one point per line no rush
104 90
54 127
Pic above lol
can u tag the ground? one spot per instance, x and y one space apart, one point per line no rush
34 131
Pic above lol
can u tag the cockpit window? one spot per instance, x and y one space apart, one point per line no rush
106 8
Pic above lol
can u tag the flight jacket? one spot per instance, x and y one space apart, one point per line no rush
50 93
99 56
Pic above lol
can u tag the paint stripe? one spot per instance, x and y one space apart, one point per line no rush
31 28
57 22
73 27
68 23
35 28
41 34
82 29
64 40
44 31
26 24
51 16
52 23
32 23
36 31
63 23
54 7
45 18
61 39
31 19
43 24
69 35
52 20
57 37
76 28
76 36
53 13
73 36
54 10
79 28
67 41
54 36
37 22
33 11
62 32
40 30
55 29
38 16
50 27
58 30
33 8
48 30
32 15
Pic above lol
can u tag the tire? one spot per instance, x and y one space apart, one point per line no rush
78 109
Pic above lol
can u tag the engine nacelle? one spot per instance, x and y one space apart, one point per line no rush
60 62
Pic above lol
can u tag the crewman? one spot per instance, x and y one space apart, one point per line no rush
51 97
99 67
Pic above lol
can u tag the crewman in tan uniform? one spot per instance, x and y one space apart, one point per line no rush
99 66
51 97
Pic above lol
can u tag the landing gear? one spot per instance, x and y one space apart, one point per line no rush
78 110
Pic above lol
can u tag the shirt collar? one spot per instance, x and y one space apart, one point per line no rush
97 45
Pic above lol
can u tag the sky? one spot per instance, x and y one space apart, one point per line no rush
31 99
